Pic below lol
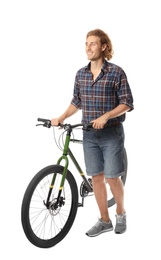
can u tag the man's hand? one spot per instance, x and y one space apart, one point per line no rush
56 121
99 122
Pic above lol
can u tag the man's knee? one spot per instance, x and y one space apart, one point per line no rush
98 178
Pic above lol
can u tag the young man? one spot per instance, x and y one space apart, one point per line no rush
102 91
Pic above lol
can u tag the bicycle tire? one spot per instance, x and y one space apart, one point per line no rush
111 201
34 210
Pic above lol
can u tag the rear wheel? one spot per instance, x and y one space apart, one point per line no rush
46 225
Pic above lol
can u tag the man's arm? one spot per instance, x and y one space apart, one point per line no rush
102 120
71 110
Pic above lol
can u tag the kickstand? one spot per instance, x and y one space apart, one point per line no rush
81 204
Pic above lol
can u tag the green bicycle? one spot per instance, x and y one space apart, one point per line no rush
51 200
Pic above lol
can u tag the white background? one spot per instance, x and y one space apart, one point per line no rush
42 45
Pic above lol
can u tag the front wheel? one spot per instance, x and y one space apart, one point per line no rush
46 225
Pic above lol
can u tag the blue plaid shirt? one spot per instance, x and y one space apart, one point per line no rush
97 97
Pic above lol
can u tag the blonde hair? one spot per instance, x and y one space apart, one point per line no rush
104 38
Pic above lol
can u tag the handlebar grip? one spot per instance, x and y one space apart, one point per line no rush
87 127
43 120
47 122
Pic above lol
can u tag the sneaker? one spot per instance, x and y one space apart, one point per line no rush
100 227
120 224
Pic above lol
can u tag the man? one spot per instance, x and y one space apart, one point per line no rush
102 91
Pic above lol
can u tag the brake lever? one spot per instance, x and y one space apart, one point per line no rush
46 124
40 124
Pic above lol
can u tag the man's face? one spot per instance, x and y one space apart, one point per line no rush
94 49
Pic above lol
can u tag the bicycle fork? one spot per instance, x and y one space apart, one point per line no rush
59 200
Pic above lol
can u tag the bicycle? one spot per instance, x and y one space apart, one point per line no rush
51 200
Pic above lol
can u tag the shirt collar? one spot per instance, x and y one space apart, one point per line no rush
104 66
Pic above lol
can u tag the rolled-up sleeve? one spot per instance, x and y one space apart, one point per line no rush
76 100
124 91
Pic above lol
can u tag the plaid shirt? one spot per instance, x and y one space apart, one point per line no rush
97 97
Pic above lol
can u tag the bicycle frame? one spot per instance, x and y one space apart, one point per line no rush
66 152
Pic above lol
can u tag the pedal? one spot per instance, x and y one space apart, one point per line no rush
80 204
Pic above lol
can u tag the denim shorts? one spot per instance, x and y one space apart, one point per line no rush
104 151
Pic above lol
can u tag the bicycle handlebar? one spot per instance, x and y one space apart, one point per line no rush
47 123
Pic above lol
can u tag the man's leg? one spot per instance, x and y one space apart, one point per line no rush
104 224
117 190
100 192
